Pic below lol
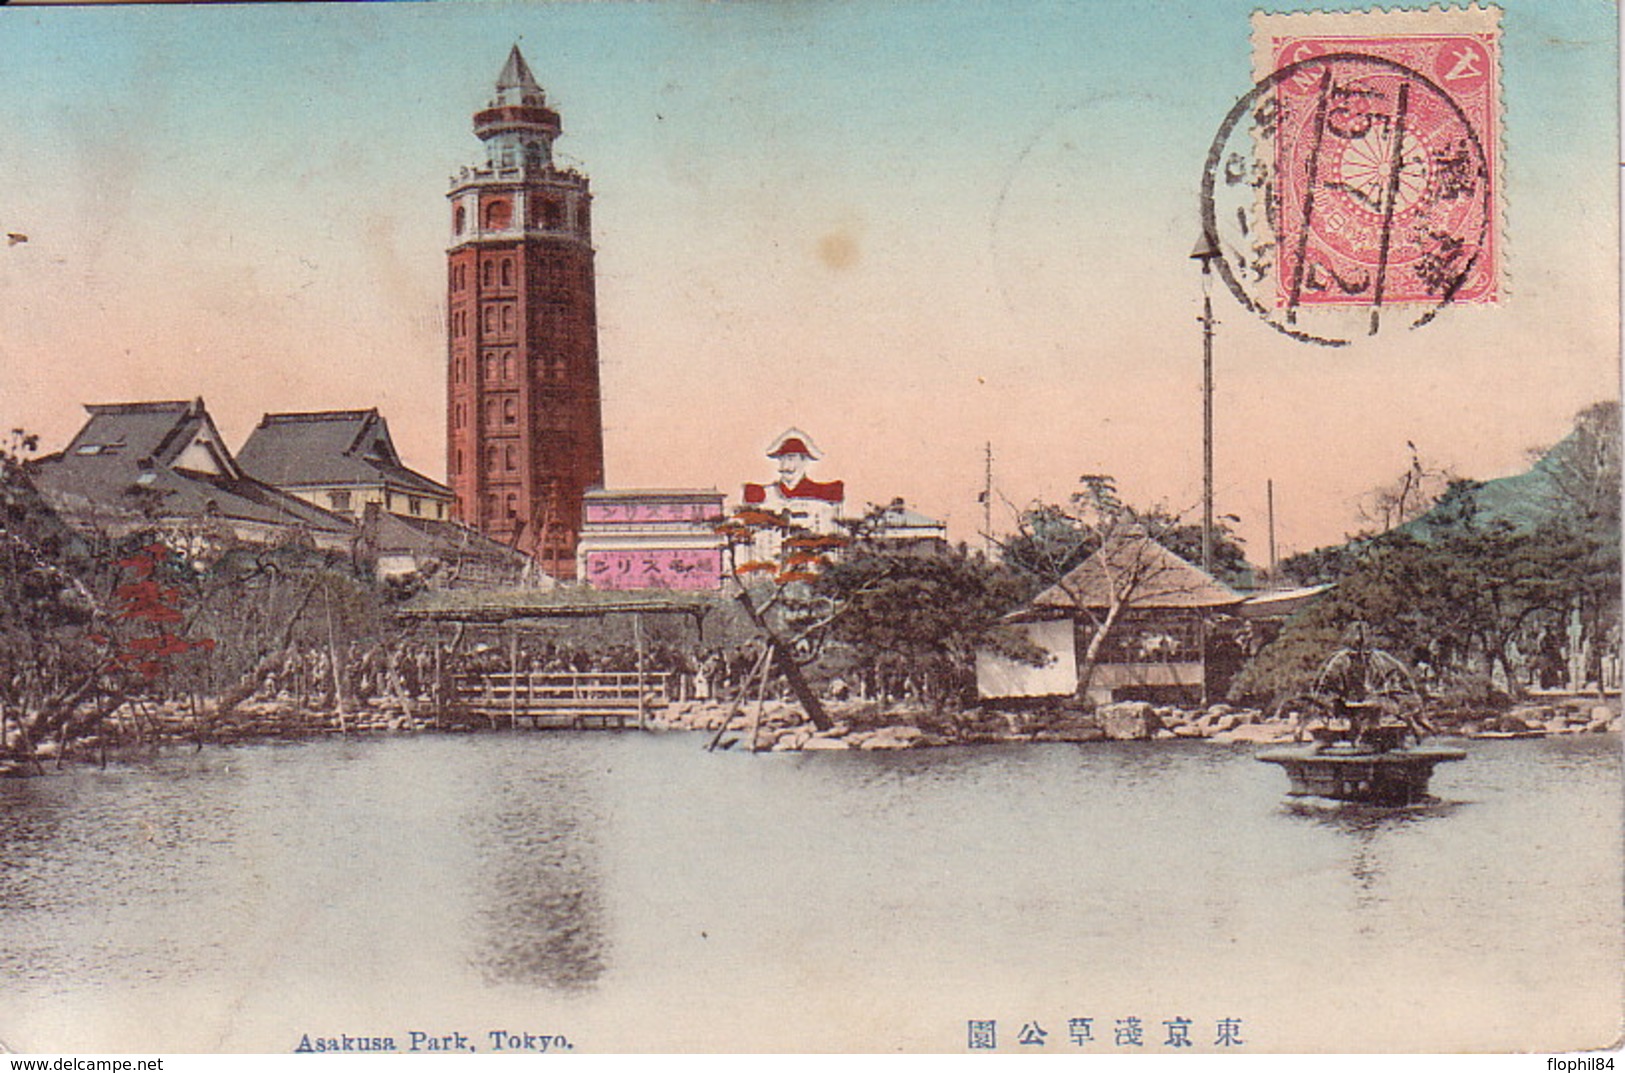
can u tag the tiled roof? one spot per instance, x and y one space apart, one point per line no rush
164 460
330 447
388 532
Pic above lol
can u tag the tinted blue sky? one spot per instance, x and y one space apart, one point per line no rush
908 228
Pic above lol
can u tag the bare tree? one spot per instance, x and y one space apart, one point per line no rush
1407 497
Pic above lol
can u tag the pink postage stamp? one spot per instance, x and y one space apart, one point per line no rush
1365 164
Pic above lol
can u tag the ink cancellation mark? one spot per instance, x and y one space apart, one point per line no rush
1357 183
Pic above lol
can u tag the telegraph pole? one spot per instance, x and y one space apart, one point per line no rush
1205 252
987 502
1269 492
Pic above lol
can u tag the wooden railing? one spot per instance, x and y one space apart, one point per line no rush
562 699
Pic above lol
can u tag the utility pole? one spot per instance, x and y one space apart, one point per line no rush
987 502
1269 493
1205 252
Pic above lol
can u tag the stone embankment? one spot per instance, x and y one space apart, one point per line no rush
1577 715
781 727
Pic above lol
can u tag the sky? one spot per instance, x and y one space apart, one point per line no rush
910 229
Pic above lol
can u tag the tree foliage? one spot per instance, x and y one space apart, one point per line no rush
1472 603
1051 539
928 613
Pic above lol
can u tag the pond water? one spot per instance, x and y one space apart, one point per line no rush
632 892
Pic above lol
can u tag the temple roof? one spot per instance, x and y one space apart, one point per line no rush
331 447
164 460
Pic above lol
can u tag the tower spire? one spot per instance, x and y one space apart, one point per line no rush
517 80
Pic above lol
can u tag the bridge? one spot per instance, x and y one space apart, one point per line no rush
567 700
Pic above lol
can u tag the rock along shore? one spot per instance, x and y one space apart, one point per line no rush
781 727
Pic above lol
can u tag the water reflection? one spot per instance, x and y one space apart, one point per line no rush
522 872
1371 829
541 913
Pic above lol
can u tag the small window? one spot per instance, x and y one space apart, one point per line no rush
457 219
507 272
510 411
497 215
414 504
339 501
487 273
513 505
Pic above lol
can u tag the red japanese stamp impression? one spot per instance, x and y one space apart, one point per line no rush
1362 173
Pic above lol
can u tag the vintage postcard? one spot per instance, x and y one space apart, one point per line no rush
928 527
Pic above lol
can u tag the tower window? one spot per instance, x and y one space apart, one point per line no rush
553 212
507 272
513 505
457 219
510 457
486 273
498 214
507 365
510 410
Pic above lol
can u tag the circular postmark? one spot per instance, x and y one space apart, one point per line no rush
1345 190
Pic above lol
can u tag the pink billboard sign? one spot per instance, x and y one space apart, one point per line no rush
635 512
657 568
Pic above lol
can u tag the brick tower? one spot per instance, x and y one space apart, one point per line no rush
524 419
